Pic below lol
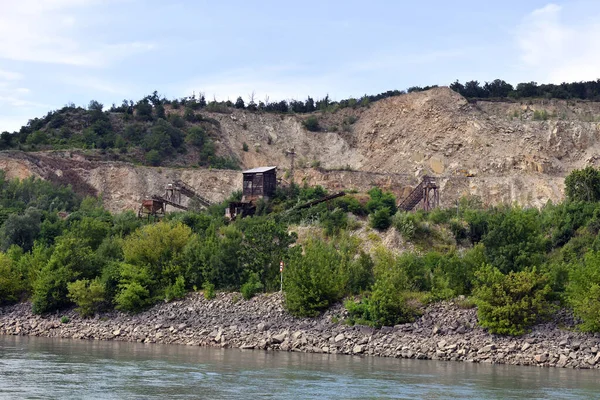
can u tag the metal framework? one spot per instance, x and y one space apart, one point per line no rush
427 193
156 205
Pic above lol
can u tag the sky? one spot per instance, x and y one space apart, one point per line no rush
57 52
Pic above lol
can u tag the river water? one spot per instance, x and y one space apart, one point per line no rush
41 368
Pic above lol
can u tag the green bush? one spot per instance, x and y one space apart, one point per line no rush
311 281
514 239
386 305
245 146
12 283
381 219
176 290
252 286
311 124
153 158
209 290
133 297
333 222
510 304
87 295
583 292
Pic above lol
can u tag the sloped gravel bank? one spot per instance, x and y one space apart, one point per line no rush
444 332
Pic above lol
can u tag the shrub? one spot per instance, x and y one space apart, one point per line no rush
583 292
88 295
540 115
176 290
333 222
209 290
386 305
64 319
11 280
381 219
252 286
510 304
133 297
153 158
311 124
311 281
245 146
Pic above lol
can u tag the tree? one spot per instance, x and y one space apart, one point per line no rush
583 292
583 185
510 304
514 240
497 88
311 281
239 103
88 295
21 230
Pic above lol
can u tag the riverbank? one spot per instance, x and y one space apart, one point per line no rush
444 332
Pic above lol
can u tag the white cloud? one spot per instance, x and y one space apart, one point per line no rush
53 31
555 51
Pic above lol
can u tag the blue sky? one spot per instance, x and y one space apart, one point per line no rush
53 52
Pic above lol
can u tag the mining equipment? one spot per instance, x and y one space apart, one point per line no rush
426 193
155 205
257 183
260 183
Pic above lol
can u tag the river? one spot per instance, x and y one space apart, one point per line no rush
35 368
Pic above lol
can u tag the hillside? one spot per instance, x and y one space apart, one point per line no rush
507 151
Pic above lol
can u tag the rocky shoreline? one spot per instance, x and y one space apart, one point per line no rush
444 332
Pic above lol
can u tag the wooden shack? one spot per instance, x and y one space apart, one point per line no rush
259 183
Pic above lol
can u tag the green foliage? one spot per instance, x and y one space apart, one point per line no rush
385 306
510 304
12 281
88 295
514 239
412 226
380 199
583 185
196 136
64 319
21 230
333 222
209 290
540 115
252 286
311 280
133 297
245 146
153 158
265 243
381 219
311 124
583 292
176 290
70 260
350 204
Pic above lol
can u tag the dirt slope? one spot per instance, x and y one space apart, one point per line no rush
512 151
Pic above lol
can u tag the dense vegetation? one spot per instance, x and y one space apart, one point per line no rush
517 265
500 89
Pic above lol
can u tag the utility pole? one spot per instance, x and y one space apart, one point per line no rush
292 154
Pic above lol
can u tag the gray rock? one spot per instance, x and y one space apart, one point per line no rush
357 349
541 358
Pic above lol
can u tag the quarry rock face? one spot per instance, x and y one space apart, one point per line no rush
501 151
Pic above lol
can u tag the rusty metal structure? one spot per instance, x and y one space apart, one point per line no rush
156 205
426 193
257 183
